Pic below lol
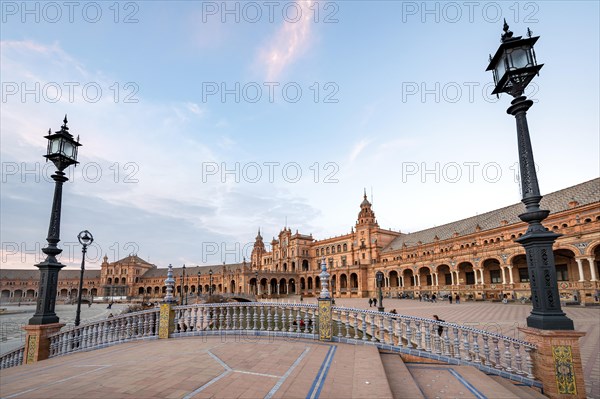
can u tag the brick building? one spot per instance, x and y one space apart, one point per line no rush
475 257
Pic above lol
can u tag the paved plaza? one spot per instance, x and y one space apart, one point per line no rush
201 367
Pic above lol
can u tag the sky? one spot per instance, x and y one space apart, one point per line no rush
202 121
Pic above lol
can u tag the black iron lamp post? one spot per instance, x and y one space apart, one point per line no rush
85 238
379 279
514 65
210 288
62 151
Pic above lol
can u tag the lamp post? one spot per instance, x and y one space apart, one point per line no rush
85 238
62 151
210 288
379 280
184 288
514 65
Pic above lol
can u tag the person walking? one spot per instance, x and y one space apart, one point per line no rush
457 298
440 327
433 298
375 302
450 298
370 302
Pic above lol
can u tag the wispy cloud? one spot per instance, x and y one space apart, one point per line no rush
288 43
358 148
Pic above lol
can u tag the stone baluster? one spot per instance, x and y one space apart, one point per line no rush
399 333
269 319
255 310
456 345
248 318
291 320
498 364
507 356
466 345
147 326
347 324
262 318
193 326
156 322
70 341
528 363
356 336
427 327
313 317
240 317
381 330
409 343
364 326
486 350
276 320
373 337
298 318
222 311
446 350
477 358
228 317
437 339
91 329
108 332
391 331
234 317
418 334
518 359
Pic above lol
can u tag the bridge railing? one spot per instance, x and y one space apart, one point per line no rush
111 331
12 358
266 317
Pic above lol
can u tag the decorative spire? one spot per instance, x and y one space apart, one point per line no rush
324 276
507 35
64 126
529 32
170 282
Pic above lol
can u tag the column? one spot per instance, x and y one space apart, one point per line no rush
476 277
580 268
418 278
452 276
482 279
457 278
437 282
503 275
287 288
401 280
510 274
592 269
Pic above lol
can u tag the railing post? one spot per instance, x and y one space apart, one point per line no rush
325 320
37 343
166 323
557 361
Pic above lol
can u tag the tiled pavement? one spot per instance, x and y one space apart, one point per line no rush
201 367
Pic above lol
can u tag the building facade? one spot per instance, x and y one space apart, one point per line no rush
476 258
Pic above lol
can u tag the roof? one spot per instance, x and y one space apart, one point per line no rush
558 201
132 259
34 274
193 270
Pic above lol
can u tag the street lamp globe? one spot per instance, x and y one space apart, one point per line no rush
62 148
514 65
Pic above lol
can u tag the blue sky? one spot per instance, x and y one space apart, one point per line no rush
389 96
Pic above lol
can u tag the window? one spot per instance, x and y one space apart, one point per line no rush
448 279
495 277
344 260
523 275
561 273
470 277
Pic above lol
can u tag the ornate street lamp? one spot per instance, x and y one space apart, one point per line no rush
514 66
62 151
210 288
184 287
85 238
379 280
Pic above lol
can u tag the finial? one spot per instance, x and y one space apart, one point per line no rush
365 193
529 32
65 121
490 58
507 35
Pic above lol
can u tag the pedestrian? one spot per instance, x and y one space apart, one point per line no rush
433 298
505 299
370 302
457 298
301 298
110 315
375 302
450 299
420 297
440 327
393 311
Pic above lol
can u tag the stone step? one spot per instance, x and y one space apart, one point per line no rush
441 381
399 378
523 391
